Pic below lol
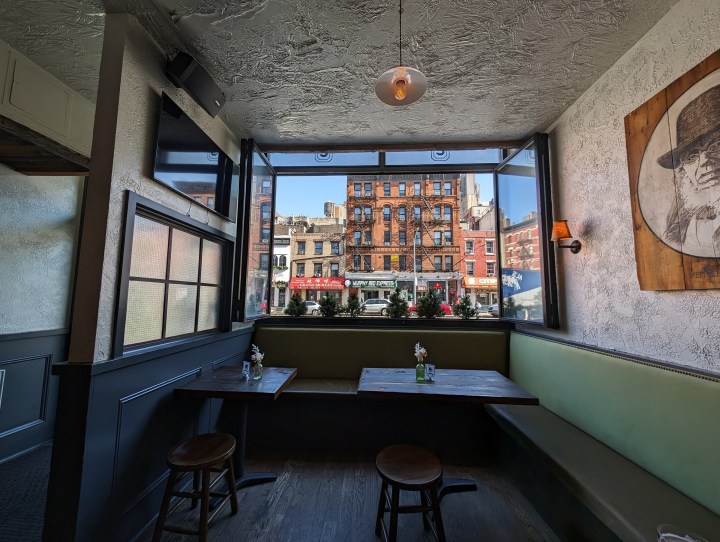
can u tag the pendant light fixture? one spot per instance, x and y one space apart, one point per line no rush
401 85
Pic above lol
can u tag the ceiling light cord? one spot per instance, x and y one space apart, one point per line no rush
401 33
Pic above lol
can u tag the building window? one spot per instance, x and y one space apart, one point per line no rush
402 263
357 213
416 212
401 213
438 263
448 263
300 270
386 263
264 235
357 190
401 189
367 263
266 186
265 211
470 268
416 188
418 238
317 269
211 202
436 189
489 246
357 238
386 238
437 238
402 237
264 261
368 190
448 237
418 263
386 213
368 213
301 247
368 237
469 246
437 213
490 269
175 284
448 213
334 247
282 261
356 262
386 189
334 270
448 188
318 247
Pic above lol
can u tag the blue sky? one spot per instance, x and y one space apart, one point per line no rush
298 195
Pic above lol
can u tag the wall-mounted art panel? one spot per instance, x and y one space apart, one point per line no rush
673 148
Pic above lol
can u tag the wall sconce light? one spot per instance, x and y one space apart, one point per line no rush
561 232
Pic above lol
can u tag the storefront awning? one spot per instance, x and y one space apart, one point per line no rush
480 283
317 283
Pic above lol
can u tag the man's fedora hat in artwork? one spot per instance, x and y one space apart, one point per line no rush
698 123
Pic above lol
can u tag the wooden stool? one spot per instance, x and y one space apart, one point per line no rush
201 455
412 469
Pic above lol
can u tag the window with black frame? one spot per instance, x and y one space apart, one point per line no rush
173 281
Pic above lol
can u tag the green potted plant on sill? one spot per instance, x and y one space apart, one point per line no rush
354 306
429 306
398 307
464 308
296 306
329 306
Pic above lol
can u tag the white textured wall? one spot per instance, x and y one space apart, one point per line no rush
602 303
39 222
143 81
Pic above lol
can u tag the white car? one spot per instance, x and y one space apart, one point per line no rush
312 307
494 310
376 306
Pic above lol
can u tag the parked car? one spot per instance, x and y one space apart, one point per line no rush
447 309
482 310
312 307
376 306
494 310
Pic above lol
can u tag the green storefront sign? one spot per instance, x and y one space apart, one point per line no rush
362 283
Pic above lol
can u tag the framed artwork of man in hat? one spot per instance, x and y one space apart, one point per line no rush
673 143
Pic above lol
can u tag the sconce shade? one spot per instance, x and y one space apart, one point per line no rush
560 231
400 85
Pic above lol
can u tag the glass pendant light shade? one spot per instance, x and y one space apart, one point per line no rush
401 85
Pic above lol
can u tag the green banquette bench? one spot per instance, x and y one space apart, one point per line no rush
636 444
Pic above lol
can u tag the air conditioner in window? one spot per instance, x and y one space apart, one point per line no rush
368 194
300 275
368 243
448 243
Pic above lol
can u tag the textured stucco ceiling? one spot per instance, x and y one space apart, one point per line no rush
302 71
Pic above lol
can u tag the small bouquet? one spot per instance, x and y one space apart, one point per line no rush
257 355
420 352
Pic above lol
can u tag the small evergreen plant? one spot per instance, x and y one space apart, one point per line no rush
296 306
329 305
398 307
464 308
354 307
428 306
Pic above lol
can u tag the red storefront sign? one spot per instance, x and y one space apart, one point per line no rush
317 283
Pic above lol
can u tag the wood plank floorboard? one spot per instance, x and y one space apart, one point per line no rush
334 497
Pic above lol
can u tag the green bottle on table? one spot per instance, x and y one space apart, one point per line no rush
420 372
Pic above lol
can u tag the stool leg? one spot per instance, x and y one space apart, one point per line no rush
394 507
381 509
196 488
426 514
162 516
436 514
230 477
204 505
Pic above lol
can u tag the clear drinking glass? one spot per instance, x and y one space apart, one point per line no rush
673 533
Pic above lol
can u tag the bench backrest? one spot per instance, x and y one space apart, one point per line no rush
324 352
666 421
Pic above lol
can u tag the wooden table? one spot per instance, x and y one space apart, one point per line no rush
228 383
449 385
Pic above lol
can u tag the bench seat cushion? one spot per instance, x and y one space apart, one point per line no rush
630 501
330 353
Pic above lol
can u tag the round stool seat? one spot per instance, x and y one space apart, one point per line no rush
409 467
201 451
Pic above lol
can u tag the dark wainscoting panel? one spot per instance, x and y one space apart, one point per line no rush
27 390
132 420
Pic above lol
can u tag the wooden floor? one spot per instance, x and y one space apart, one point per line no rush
334 498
